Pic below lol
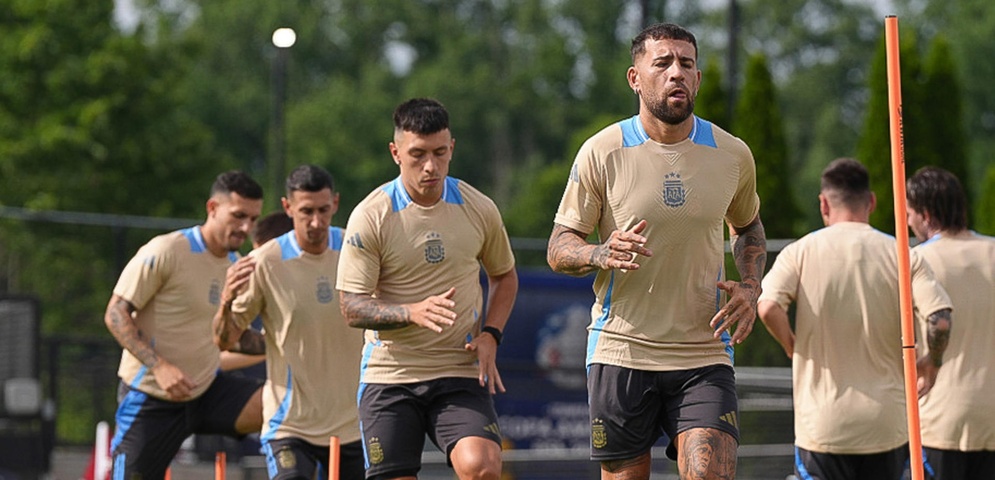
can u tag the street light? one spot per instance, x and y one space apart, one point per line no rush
283 39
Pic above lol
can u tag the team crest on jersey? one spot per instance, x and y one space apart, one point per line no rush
214 295
673 190
286 459
375 451
325 294
435 251
599 437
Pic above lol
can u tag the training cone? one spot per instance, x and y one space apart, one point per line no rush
99 467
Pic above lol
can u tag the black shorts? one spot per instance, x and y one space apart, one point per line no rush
631 409
957 465
395 418
830 466
149 431
293 458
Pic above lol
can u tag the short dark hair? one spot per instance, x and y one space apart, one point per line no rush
662 31
309 178
236 181
423 116
847 181
271 226
939 193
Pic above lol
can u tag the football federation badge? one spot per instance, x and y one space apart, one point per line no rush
435 251
673 190
325 292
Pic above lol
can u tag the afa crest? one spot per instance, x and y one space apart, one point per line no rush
599 437
435 251
673 190
286 459
324 293
214 296
375 451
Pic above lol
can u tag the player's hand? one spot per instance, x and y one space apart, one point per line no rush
171 379
237 277
741 308
486 347
622 247
926 372
435 312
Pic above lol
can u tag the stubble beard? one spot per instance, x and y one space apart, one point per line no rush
671 115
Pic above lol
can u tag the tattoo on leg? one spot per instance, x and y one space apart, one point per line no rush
706 453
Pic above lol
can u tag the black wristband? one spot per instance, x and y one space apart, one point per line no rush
494 333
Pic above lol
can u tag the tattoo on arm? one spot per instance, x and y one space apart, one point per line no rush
568 252
123 328
938 334
226 333
250 343
749 250
364 311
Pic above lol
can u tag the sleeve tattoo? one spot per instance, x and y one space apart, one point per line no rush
938 334
749 250
364 311
568 252
122 326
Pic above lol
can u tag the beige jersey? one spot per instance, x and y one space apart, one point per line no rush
957 414
312 355
174 282
849 395
402 252
656 317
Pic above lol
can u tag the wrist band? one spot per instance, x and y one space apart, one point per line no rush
494 333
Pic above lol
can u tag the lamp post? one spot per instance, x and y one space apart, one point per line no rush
283 39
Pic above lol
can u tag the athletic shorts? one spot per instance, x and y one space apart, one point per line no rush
957 465
830 466
395 419
149 430
631 409
293 459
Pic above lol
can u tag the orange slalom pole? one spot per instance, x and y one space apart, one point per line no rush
169 474
220 465
333 457
902 245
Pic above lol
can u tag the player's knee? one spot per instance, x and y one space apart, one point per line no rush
477 461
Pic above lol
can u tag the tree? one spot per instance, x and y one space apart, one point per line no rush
943 108
874 148
984 212
758 123
712 101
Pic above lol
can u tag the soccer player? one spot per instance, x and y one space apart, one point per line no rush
312 356
160 314
846 351
410 276
958 428
657 187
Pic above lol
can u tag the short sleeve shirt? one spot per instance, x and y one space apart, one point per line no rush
956 414
657 317
312 355
401 252
174 282
847 370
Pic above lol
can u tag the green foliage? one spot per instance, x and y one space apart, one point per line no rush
943 107
874 148
712 101
984 211
758 123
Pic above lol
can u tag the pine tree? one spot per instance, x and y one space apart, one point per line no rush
712 101
758 123
943 109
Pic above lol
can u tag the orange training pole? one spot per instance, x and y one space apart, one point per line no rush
333 458
220 466
902 245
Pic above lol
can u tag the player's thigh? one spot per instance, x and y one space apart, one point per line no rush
706 453
888 464
460 408
701 398
625 410
219 409
149 432
292 459
947 465
393 421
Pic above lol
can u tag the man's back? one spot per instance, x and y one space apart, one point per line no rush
847 367
956 413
